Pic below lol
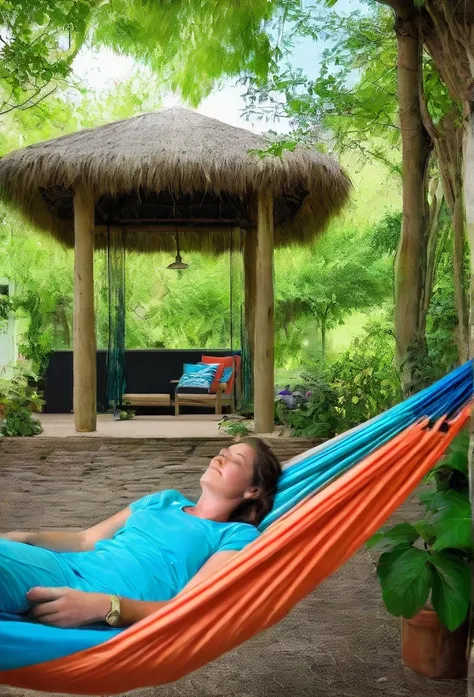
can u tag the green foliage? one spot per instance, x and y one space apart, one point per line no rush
326 283
316 418
352 102
365 377
351 105
40 39
42 302
191 45
441 326
246 409
360 384
165 308
37 342
17 401
234 428
17 390
386 233
430 558
18 421
126 414
405 578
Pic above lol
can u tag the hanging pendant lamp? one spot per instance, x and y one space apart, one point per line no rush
178 264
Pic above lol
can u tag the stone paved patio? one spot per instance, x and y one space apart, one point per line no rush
338 642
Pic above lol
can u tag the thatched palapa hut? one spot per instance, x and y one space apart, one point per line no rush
165 172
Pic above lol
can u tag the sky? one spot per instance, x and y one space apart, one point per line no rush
101 69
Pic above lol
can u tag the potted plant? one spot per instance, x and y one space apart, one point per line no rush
424 571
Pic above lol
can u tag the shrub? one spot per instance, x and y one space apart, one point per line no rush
365 377
234 428
362 383
17 402
315 418
19 421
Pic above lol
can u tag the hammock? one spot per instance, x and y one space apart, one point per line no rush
330 500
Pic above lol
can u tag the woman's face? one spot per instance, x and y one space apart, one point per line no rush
230 473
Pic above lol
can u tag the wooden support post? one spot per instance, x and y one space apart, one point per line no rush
85 369
219 401
250 251
264 317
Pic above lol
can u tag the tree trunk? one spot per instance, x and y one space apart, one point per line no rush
448 140
462 334
323 341
411 256
469 203
432 235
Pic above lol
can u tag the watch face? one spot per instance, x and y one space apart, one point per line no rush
112 617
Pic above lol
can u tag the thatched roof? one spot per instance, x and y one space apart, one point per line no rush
171 170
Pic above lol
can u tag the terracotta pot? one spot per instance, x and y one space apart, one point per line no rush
431 649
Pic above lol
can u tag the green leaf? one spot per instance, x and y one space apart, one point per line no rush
355 400
445 502
458 461
451 589
426 497
405 578
451 520
424 529
402 534
39 17
456 534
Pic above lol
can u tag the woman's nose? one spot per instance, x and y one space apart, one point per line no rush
222 457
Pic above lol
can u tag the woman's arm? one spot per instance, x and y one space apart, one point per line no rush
65 607
66 541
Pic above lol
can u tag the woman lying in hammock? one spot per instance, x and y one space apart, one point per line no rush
128 566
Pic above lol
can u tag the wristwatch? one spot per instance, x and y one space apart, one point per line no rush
113 616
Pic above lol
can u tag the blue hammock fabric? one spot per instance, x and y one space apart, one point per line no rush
304 476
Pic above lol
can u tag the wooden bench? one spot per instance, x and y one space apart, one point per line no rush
216 400
147 400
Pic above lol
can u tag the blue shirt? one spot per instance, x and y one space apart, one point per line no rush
158 550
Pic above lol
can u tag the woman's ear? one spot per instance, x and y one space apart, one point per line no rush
254 492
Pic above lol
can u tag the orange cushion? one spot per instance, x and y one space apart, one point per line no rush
225 362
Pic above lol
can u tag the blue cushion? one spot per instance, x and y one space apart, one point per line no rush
227 374
197 376
196 367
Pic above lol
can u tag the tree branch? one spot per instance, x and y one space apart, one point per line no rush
24 105
403 8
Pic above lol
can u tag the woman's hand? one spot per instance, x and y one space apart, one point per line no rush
66 607
14 536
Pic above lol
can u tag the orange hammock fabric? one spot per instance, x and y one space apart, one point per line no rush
261 584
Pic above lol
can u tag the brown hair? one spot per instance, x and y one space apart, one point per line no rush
266 472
